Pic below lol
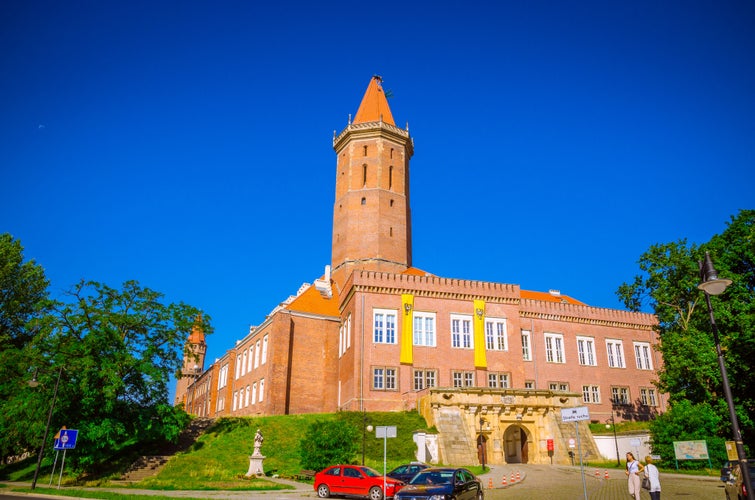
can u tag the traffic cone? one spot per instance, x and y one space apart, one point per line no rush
490 483
597 474
512 477
606 475
517 475
503 483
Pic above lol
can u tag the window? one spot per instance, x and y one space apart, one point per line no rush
344 341
385 326
554 348
384 378
558 386
235 400
590 394
238 365
424 379
615 353
498 380
620 395
246 396
529 384
424 329
642 356
526 352
647 396
254 393
243 363
495 335
390 177
262 390
365 153
264 350
462 379
364 169
586 351
223 376
257 354
461 331
249 362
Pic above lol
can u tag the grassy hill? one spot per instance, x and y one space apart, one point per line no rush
220 457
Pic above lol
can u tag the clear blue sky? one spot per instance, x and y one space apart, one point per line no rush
188 145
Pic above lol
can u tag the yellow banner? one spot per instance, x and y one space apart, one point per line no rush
480 360
407 330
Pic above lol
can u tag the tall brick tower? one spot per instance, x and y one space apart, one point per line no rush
371 216
193 363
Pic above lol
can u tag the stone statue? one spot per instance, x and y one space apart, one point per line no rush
256 458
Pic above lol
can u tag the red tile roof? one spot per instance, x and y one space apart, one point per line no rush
374 105
310 301
548 297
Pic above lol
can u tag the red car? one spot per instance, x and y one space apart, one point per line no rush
354 480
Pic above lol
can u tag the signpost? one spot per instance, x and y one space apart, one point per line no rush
64 440
385 432
576 415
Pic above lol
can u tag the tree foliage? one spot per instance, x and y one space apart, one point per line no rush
328 443
668 285
23 304
118 349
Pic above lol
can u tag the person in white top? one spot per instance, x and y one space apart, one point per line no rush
633 476
651 471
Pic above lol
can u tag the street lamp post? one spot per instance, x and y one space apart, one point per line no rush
34 383
365 429
615 440
712 285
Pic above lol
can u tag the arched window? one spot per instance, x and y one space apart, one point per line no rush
364 201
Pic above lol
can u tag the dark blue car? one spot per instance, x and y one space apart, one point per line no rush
442 483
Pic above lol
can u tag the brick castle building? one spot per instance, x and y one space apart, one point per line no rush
488 361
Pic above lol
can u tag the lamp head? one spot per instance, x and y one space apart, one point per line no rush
711 284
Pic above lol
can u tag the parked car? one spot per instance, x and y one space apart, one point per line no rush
354 480
442 483
406 472
734 486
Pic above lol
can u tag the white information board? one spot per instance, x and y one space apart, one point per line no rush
575 414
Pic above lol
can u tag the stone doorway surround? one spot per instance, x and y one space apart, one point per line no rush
514 423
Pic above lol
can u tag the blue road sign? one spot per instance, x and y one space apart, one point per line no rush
66 439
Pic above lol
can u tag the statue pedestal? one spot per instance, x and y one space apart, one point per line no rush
255 464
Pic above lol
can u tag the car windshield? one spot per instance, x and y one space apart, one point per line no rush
367 471
433 477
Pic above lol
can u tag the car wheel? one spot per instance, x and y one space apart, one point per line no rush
323 491
376 493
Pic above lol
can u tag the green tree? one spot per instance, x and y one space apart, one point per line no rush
668 285
23 305
329 443
118 349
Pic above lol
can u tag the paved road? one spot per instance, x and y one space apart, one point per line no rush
535 482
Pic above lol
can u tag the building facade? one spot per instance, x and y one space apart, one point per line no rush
486 361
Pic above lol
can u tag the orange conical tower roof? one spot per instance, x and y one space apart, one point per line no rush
374 107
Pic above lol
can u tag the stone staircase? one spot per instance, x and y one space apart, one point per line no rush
149 465
589 447
456 446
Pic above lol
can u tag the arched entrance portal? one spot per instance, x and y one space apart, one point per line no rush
515 445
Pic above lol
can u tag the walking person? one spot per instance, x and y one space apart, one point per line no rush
633 476
651 471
